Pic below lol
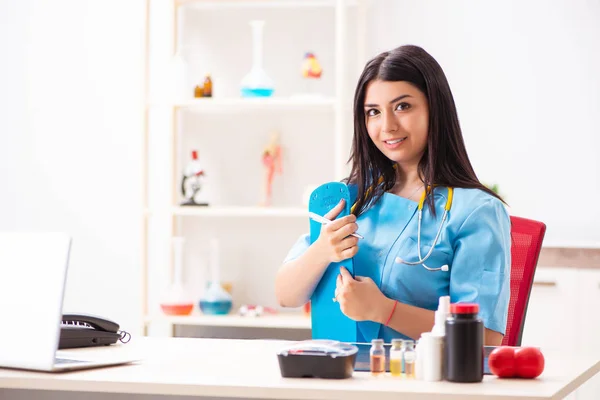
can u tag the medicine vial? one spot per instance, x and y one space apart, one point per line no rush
396 358
377 354
409 357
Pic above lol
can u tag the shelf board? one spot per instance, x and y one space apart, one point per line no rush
233 104
565 244
276 321
225 4
213 211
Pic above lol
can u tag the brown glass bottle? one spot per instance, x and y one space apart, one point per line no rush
207 90
198 91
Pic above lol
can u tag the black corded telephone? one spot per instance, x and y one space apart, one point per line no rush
83 330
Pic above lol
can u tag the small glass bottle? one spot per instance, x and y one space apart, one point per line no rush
409 357
207 89
396 357
377 354
198 91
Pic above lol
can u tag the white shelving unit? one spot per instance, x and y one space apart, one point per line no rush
231 211
276 321
208 105
336 106
240 211
285 4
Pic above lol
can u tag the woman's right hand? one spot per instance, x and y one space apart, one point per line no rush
335 241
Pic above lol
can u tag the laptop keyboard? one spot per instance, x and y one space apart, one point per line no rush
58 361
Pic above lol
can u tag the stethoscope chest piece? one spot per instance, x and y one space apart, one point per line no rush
443 268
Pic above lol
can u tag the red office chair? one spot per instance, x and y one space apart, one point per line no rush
527 236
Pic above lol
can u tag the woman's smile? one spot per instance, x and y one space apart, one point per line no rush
393 144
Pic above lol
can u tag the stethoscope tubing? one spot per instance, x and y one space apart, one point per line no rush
421 260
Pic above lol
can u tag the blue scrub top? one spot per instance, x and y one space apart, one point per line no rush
475 243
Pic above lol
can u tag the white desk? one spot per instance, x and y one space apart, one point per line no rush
249 369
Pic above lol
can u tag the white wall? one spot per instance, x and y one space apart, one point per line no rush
525 78
70 141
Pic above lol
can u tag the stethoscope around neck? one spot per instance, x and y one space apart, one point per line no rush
422 259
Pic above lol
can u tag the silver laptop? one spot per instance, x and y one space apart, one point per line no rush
33 272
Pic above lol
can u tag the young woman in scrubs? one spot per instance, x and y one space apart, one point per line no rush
407 137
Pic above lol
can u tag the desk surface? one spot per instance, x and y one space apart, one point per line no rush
249 369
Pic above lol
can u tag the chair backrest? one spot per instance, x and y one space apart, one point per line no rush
527 236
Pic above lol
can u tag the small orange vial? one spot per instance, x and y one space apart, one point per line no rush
198 91
377 354
207 89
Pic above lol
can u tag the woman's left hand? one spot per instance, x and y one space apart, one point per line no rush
360 299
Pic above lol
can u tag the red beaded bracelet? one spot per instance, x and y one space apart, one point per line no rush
392 313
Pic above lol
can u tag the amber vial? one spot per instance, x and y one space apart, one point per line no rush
377 354
198 91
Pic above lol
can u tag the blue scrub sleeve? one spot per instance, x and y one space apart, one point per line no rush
301 245
480 270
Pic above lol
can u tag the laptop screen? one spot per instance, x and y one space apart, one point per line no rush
33 269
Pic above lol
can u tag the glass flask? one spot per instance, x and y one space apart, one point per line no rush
216 300
257 83
176 300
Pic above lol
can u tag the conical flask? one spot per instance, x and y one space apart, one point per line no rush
176 300
257 83
216 300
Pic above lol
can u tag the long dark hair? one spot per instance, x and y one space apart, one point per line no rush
445 161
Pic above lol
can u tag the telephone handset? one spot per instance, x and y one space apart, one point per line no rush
101 324
85 330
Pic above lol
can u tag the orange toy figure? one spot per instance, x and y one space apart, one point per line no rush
311 67
271 159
